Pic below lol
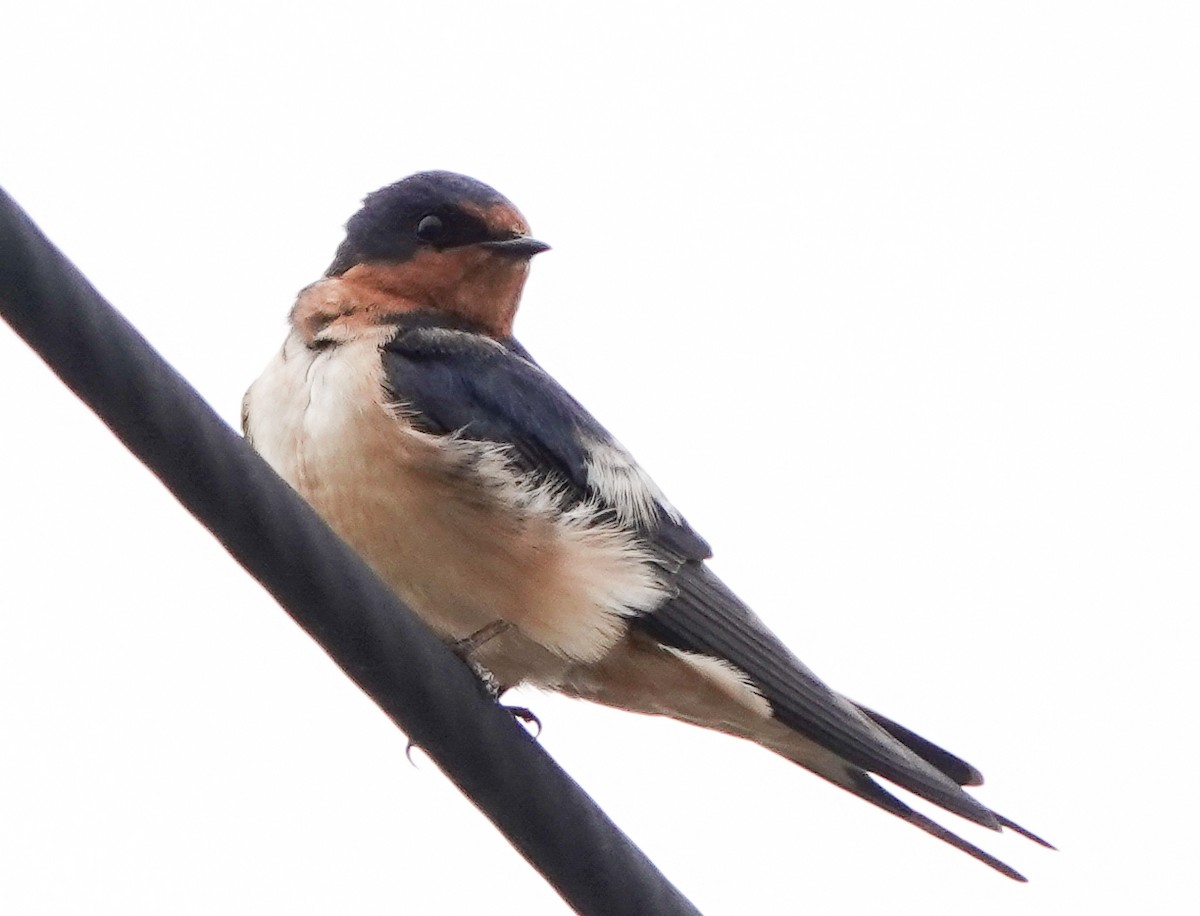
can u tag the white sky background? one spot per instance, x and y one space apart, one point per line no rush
898 302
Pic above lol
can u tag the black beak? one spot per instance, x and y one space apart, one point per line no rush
522 246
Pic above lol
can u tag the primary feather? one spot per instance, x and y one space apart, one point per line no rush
493 503
452 381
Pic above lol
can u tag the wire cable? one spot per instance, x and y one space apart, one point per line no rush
321 582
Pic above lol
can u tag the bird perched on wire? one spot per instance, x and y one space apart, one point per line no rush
404 410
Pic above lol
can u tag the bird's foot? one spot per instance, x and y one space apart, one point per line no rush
523 713
528 716
464 648
408 749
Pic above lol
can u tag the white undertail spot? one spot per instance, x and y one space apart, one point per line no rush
727 678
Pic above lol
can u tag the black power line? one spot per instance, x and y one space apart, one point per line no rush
321 582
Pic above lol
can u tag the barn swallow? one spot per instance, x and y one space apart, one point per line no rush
404 410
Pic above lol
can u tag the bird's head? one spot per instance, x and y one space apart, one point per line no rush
443 241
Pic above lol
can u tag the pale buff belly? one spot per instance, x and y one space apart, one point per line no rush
456 535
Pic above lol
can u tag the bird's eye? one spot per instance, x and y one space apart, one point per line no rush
430 228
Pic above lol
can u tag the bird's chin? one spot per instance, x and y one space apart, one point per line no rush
490 291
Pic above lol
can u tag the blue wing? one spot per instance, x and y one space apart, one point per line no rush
451 380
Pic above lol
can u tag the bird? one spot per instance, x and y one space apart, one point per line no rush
403 409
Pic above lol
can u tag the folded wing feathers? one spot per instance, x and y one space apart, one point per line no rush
866 788
955 767
705 616
496 393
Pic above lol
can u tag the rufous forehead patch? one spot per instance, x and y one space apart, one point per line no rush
501 218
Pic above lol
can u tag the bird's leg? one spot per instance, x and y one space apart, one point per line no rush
467 646
464 648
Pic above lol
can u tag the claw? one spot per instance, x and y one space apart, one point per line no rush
463 648
524 713
528 716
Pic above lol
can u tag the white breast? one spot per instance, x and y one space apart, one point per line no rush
447 523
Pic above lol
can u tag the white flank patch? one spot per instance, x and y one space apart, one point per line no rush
593 573
620 481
